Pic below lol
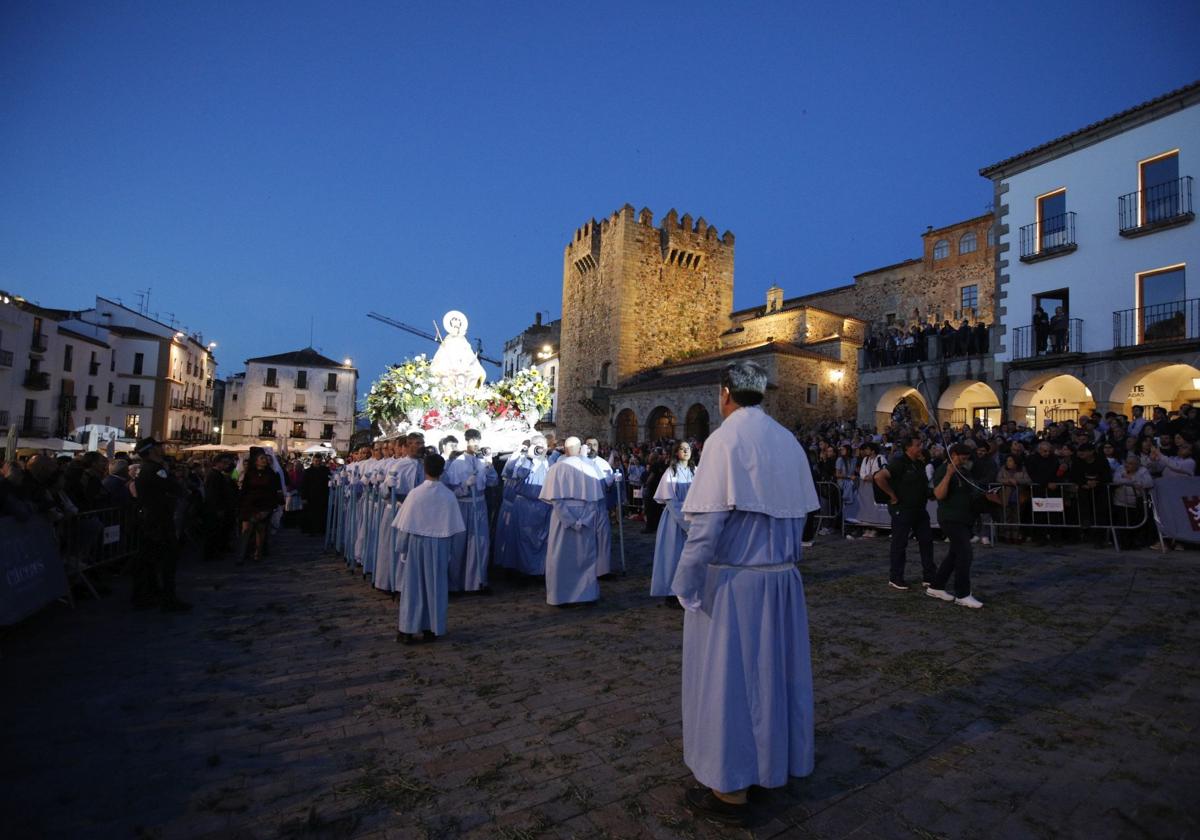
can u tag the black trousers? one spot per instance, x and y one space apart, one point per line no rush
154 572
958 560
905 523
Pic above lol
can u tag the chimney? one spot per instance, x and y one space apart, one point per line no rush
537 319
774 298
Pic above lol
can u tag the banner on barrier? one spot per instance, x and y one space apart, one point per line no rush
1047 504
1177 507
31 573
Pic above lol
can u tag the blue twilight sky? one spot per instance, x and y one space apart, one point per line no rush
259 163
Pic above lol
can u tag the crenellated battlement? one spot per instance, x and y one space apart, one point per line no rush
587 235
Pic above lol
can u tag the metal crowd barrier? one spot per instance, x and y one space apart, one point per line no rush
829 515
1018 510
92 539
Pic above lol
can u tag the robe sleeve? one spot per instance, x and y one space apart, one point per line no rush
699 550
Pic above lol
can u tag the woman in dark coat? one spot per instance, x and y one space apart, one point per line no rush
260 496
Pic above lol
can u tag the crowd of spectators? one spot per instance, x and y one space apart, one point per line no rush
900 345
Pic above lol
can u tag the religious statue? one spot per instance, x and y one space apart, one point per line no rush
455 364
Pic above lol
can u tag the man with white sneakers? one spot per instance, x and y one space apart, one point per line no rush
955 496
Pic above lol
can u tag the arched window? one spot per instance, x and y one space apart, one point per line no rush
696 424
968 244
941 249
605 373
991 239
661 424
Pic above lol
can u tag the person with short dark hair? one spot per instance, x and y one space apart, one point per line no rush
429 530
907 487
154 570
956 497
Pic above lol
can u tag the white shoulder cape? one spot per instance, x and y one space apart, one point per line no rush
430 511
751 463
572 478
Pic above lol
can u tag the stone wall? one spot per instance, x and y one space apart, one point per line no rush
634 296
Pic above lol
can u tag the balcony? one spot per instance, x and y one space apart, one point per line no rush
37 380
35 426
4 421
300 408
67 402
329 389
1163 206
93 368
1029 343
271 382
1162 323
890 349
91 402
330 411
6 358
38 343
133 401
269 406
326 435
298 435
266 432
1050 237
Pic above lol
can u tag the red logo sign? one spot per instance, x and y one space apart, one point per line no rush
1192 505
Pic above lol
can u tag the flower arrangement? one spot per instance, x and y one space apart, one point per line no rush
527 390
407 386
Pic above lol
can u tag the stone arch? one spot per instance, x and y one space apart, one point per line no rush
696 422
1166 384
626 427
893 397
1051 397
660 423
968 400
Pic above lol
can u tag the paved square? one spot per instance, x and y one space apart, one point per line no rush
282 707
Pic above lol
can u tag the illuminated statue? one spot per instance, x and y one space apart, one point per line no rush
454 363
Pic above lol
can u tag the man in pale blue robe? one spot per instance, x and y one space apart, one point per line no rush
504 546
380 517
604 474
672 527
468 476
572 547
429 529
407 472
531 515
747 678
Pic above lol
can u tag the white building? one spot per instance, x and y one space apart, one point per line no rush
1100 224
291 401
109 366
537 347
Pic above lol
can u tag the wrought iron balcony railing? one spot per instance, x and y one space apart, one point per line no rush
37 380
269 406
326 435
4 421
1163 322
1048 237
1029 343
1163 205
93 368
35 426
6 358
134 401
68 402
38 343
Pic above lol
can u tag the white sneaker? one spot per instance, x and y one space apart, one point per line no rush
850 536
974 539
940 594
969 601
985 541
824 532
868 534
806 544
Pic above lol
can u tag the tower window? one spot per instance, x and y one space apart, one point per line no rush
941 249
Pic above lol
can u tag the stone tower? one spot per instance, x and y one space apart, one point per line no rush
635 296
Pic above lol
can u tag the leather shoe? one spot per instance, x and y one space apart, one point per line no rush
704 803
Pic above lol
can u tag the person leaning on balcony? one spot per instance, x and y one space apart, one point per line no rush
1041 330
1058 330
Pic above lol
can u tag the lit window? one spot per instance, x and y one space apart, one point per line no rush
1162 313
941 249
968 244
969 297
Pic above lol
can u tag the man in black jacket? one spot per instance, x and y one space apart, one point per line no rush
1091 476
1042 467
314 489
157 493
220 507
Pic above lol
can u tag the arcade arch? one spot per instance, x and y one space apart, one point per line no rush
1051 398
904 398
626 427
969 400
696 423
660 423
1166 384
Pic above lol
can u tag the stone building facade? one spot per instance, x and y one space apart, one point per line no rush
635 296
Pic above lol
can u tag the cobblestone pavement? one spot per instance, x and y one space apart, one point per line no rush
282 707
